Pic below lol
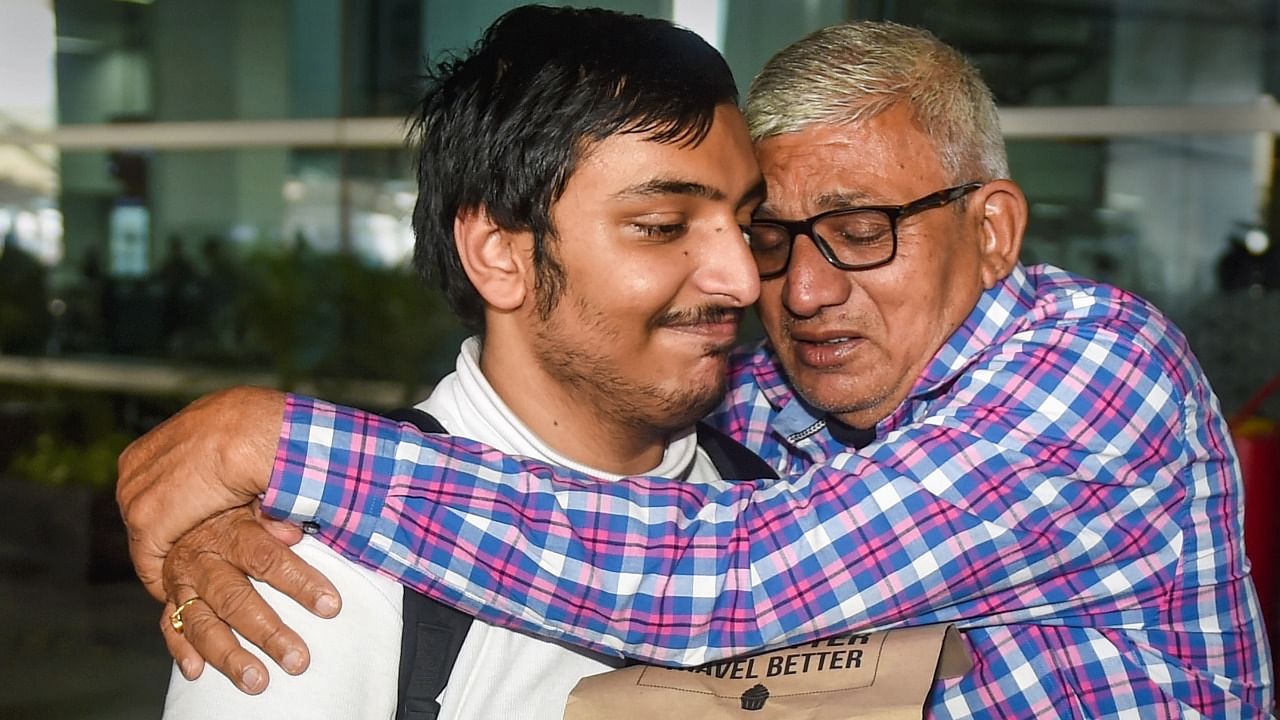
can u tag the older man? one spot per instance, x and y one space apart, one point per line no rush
1026 453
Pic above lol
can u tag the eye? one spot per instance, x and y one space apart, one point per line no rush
855 228
869 237
662 231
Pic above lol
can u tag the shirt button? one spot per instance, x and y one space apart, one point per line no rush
310 527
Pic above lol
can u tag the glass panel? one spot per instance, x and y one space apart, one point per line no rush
195 60
264 259
1108 52
1177 220
183 255
180 60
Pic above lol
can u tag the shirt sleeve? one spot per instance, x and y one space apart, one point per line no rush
1044 483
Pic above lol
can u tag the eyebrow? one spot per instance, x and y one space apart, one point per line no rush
843 199
839 200
671 186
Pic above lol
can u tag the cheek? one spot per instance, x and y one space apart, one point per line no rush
921 311
908 323
905 302
633 291
613 278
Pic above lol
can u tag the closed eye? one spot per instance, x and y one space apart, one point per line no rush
866 237
664 231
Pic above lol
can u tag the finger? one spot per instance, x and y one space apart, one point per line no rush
282 530
211 562
262 556
148 563
238 604
190 664
134 468
211 638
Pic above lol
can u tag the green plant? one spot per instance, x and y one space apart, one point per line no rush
320 317
57 461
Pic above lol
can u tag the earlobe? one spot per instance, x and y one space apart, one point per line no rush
495 260
1004 220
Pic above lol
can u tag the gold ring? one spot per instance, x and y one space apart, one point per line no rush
175 617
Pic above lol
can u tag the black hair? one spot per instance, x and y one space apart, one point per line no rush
501 128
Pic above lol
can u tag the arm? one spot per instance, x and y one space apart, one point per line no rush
1042 484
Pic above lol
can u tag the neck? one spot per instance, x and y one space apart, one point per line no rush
850 435
565 417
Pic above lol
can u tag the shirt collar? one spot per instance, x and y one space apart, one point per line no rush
766 371
996 316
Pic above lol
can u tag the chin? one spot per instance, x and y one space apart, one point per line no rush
680 407
833 394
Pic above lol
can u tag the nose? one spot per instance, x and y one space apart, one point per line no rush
811 283
727 268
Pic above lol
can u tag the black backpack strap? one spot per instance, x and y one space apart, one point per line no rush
425 421
429 647
433 632
732 458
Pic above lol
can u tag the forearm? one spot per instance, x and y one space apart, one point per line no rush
665 570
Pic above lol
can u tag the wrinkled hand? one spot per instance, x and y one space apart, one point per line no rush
211 562
214 455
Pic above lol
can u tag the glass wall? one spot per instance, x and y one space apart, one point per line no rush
168 139
195 194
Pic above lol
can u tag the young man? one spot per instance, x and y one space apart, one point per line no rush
1024 452
581 202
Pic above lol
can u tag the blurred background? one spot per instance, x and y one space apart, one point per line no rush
198 193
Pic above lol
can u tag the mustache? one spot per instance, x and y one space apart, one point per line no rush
701 315
791 323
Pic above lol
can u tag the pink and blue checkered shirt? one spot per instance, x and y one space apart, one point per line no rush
1059 483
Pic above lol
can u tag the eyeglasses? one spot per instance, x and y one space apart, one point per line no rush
855 238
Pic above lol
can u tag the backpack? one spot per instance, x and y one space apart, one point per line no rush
433 632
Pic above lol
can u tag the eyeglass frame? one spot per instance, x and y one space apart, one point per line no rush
895 213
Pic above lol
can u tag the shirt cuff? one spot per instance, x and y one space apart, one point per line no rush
332 470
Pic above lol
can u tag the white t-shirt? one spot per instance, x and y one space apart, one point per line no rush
355 657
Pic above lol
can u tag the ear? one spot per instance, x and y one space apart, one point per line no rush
496 260
1004 220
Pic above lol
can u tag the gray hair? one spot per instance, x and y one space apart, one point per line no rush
846 74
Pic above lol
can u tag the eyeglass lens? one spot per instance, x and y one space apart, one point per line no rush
855 238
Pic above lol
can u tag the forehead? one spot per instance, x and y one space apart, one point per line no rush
886 159
623 162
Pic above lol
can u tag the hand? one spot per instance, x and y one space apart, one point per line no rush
211 562
214 455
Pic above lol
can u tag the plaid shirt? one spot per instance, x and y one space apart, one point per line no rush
1059 483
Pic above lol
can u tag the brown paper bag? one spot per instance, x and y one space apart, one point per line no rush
884 675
